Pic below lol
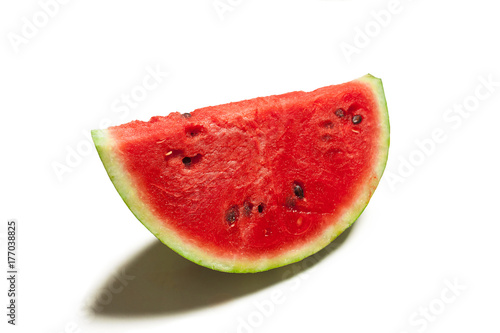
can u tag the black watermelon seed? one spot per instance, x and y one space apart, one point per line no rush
247 208
186 115
232 215
186 160
339 113
260 208
299 192
356 119
327 124
290 202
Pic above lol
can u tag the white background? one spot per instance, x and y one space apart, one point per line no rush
432 222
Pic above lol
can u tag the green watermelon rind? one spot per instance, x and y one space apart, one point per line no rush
125 187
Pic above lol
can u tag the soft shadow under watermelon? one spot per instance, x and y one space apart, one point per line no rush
166 283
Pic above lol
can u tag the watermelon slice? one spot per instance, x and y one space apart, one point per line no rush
257 184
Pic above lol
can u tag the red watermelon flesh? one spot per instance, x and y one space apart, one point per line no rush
256 184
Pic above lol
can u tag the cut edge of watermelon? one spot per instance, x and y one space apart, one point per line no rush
125 187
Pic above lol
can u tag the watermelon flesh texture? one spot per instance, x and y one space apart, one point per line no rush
256 184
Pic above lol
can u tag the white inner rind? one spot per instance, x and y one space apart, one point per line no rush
188 248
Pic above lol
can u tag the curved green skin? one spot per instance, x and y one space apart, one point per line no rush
125 187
